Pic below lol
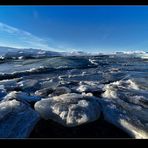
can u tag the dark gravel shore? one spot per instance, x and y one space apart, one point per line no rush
97 129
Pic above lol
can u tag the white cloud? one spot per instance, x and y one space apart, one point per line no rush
6 28
25 37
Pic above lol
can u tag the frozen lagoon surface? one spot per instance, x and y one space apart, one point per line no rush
73 91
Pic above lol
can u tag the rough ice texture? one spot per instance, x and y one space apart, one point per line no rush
2 94
89 86
9 85
126 106
83 77
60 91
69 109
126 121
52 92
16 119
44 92
29 85
52 84
119 83
22 96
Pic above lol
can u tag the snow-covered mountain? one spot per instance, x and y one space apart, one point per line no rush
18 53
75 53
134 54
5 50
9 52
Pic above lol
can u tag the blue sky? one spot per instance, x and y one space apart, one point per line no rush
70 28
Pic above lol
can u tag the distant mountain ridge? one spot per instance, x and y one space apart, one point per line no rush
10 52
20 53
30 52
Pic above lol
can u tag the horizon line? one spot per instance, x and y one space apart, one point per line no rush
96 52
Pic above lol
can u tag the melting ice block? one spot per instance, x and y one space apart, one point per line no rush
126 106
16 119
69 109
21 96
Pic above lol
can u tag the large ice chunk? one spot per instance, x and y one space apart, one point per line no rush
22 96
126 106
16 119
69 109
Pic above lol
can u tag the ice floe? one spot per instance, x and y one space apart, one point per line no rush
69 109
22 96
16 119
126 106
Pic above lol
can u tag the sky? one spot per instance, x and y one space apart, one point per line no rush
75 28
